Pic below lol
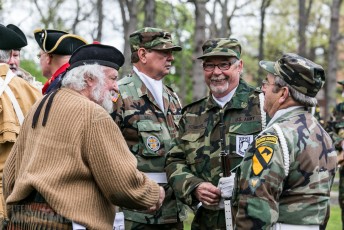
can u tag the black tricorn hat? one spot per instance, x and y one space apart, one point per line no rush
97 54
11 37
58 42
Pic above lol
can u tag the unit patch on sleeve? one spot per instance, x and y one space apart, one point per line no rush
263 154
266 139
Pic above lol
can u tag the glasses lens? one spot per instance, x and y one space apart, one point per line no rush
208 67
224 66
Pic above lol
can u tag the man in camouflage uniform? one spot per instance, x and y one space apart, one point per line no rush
286 175
148 113
194 164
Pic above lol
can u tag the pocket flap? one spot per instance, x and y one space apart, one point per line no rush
148 126
192 136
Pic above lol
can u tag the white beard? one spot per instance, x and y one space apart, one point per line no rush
107 102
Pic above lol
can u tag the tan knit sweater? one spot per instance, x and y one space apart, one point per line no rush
79 162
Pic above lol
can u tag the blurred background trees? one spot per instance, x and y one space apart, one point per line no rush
265 28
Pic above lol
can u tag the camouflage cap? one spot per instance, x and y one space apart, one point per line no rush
300 73
341 82
152 38
229 47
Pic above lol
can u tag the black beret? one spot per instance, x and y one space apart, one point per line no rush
97 54
58 42
11 37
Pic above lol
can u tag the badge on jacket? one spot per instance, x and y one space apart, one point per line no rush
242 143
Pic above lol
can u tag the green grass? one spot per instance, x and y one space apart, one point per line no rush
334 222
187 222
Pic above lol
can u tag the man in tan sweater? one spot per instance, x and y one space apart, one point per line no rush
16 98
71 164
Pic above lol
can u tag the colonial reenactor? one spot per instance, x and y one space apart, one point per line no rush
71 164
233 108
14 57
148 113
285 178
16 98
56 47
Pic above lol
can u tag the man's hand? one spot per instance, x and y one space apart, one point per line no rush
159 203
208 194
226 185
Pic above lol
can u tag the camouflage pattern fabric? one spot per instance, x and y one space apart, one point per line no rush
152 38
139 226
264 194
196 159
150 134
227 47
300 73
336 131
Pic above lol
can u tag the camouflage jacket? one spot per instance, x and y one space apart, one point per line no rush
149 133
270 190
195 158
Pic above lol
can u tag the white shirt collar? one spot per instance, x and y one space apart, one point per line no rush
154 86
222 101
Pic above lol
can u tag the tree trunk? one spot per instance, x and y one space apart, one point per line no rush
129 19
303 23
264 6
199 87
100 20
150 10
224 21
330 93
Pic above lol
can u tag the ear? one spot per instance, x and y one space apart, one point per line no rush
284 95
142 55
49 58
89 80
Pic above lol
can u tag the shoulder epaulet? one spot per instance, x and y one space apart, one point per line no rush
125 80
194 103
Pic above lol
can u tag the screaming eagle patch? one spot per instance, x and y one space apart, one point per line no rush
263 154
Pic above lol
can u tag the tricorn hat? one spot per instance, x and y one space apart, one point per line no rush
11 38
97 54
58 42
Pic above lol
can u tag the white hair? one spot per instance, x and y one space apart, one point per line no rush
5 55
296 95
75 78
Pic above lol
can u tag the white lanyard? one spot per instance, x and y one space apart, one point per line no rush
8 91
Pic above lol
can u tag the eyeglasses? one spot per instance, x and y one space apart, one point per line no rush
209 67
265 83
